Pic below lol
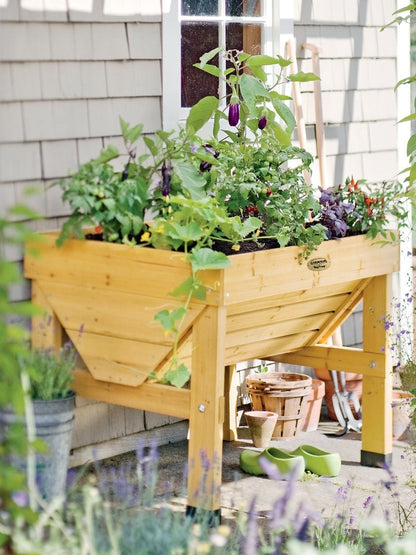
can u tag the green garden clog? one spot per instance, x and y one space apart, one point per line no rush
318 461
285 462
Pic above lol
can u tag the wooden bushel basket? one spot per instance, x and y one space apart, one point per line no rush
283 393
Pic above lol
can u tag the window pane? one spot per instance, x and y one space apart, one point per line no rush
239 8
244 37
197 38
199 7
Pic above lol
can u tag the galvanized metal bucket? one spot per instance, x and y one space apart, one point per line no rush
54 421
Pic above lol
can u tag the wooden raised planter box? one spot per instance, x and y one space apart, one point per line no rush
265 305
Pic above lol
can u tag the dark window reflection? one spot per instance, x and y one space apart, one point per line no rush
238 8
197 38
244 37
199 7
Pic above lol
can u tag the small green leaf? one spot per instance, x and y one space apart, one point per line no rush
178 376
282 136
134 133
285 113
151 145
184 288
410 117
411 145
201 112
107 154
25 211
251 88
261 60
192 181
186 233
124 126
209 55
207 259
212 70
303 77
275 94
259 72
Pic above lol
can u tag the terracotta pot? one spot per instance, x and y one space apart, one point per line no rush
314 406
354 383
402 413
261 424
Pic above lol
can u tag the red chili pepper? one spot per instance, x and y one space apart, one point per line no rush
98 229
369 211
268 192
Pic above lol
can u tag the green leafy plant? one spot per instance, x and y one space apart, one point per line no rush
51 373
13 350
358 207
241 189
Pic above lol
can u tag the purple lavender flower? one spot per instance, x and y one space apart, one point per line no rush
250 544
367 502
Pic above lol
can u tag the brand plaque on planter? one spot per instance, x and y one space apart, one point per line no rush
318 264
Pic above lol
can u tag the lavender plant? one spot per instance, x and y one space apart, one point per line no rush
52 372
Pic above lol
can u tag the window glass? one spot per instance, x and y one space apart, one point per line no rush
245 37
205 24
241 8
197 38
199 7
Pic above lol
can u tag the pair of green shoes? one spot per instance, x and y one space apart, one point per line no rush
305 457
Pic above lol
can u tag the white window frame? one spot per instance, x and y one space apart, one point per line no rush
278 25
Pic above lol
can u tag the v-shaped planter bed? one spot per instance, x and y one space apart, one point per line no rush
265 305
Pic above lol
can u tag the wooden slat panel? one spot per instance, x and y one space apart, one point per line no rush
142 356
273 272
252 335
342 313
295 297
109 371
112 313
105 266
280 313
159 398
264 349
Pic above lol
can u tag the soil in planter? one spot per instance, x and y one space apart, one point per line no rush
220 246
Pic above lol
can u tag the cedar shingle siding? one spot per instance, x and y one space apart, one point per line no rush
358 73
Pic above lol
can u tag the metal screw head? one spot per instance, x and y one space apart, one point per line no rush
201 408
373 364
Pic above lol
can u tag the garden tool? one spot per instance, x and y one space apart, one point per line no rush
342 407
351 396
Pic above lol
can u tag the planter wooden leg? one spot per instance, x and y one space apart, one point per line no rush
47 331
230 420
206 411
377 390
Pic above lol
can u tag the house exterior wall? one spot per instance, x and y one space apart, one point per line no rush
70 68
358 74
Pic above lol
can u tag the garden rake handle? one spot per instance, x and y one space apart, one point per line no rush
319 122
